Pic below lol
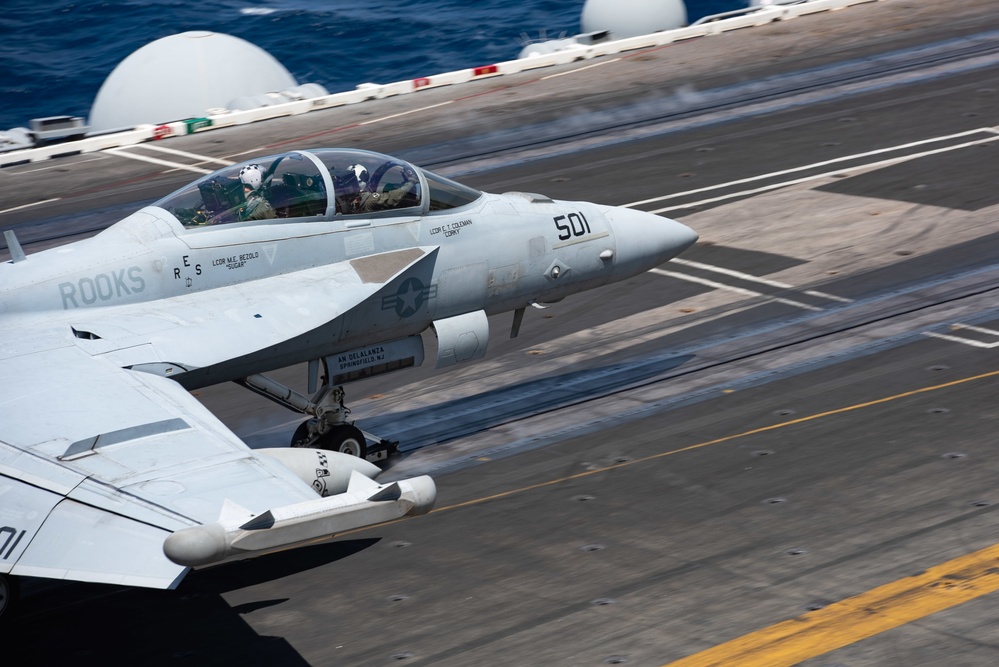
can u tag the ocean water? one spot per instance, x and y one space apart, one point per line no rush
55 55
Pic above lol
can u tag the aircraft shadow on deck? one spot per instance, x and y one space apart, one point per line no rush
109 625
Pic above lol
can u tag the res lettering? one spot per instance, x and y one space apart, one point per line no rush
187 264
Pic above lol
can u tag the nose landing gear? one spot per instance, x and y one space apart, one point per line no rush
340 438
328 428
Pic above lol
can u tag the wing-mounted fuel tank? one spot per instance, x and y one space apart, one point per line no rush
349 499
238 533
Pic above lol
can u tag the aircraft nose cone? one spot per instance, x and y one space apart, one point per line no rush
644 240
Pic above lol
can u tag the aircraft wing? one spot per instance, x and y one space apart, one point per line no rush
99 465
102 466
262 317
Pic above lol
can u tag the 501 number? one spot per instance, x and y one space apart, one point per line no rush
574 224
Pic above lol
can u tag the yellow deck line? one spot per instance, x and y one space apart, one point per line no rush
840 624
837 625
853 619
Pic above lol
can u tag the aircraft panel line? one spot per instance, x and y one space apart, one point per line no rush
581 239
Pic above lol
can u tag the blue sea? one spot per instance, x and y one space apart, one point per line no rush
55 55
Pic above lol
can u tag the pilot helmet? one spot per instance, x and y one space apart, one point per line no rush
252 176
360 173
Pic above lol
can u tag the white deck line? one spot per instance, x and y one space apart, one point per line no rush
730 288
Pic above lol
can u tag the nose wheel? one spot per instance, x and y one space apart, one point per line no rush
327 428
341 438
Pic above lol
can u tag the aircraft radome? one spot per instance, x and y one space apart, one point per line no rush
111 471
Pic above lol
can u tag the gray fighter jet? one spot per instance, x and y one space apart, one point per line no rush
111 471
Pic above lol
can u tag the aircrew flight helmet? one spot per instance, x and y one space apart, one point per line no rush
252 176
361 173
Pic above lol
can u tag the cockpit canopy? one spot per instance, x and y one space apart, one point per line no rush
318 184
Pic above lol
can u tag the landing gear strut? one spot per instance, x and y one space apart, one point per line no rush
328 427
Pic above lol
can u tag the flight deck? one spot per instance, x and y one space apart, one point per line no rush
777 449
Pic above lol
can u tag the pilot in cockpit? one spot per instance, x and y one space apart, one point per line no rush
257 207
366 200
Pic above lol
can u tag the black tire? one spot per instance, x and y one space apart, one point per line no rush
345 438
10 590
301 435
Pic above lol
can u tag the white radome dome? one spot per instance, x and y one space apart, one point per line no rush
182 76
630 18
